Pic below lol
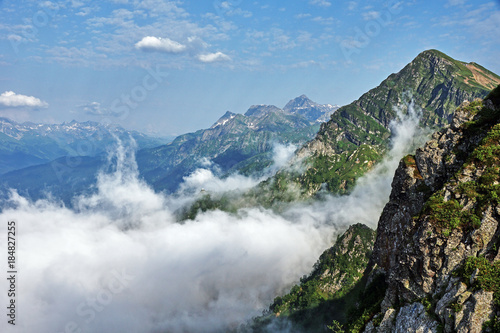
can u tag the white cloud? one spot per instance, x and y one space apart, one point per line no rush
84 11
302 15
351 5
49 5
120 262
158 44
282 154
231 10
324 20
200 276
455 2
205 179
371 15
11 99
76 3
321 3
213 57
96 109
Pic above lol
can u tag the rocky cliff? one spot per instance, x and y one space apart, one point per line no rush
438 237
435 264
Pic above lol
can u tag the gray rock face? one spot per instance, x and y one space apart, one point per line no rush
414 318
421 256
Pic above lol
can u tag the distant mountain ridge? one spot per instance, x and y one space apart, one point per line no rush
27 144
235 142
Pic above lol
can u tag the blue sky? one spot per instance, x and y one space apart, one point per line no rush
170 67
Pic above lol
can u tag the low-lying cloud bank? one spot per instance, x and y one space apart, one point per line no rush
119 262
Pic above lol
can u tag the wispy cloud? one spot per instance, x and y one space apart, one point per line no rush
302 15
11 99
96 109
213 57
229 9
371 15
352 5
323 20
158 44
321 3
482 21
455 2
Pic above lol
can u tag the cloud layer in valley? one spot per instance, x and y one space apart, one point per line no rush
118 261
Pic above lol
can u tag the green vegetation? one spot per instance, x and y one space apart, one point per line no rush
370 299
206 203
456 307
488 152
449 215
485 191
486 275
332 289
340 172
409 161
492 325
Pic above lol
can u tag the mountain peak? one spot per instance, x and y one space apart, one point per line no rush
312 111
261 110
299 102
224 119
472 74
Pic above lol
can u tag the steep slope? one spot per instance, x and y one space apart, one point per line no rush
28 144
62 178
435 265
357 135
331 287
235 142
438 237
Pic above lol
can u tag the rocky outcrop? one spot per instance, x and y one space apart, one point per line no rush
437 237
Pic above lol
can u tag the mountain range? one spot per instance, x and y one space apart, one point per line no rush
71 154
433 83
235 143
28 144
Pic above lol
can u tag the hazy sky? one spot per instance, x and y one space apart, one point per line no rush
169 67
